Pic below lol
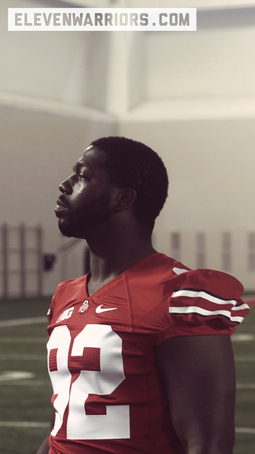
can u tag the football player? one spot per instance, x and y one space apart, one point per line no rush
139 349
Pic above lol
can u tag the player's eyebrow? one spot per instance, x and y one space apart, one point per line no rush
79 165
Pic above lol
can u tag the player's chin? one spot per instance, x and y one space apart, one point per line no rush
63 227
66 228
60 214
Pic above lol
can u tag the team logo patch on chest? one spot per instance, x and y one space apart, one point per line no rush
65 315
84 307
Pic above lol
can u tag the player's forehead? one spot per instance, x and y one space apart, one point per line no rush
92 157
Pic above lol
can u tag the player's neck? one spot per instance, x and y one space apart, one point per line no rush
112 258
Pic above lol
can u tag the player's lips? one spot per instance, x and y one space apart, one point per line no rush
60 206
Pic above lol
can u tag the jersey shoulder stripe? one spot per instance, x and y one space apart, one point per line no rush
191 310
207 305
208 297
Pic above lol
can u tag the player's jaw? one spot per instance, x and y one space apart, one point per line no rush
77 221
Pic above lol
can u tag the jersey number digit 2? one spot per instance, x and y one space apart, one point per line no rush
80 426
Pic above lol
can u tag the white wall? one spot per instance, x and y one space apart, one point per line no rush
209 62
52 103
190 96
198 112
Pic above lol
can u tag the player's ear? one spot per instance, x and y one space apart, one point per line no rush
125 199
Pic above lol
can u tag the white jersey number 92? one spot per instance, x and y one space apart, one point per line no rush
80 426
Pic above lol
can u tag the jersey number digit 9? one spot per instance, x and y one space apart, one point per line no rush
80 426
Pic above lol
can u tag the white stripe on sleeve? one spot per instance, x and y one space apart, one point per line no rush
205 313
202 294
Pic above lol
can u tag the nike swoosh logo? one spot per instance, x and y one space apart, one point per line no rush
100 309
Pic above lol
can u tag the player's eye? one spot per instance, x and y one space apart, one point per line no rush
82 176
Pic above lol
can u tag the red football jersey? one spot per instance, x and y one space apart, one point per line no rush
108 396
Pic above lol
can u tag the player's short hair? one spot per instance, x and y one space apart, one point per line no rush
131 164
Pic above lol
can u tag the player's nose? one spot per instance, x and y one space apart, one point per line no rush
65 187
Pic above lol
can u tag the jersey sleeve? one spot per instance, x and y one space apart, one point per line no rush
205 302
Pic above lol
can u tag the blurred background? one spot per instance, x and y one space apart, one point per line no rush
188 95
